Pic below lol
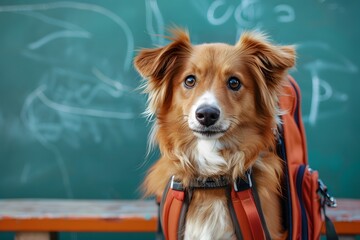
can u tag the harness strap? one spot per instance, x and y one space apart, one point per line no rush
171 211
244 208
260 211
248 210
173 208
220 182
247 215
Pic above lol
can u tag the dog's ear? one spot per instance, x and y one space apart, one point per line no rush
158 63
272 60
158 66
269 64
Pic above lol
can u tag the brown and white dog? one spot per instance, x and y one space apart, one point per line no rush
216 111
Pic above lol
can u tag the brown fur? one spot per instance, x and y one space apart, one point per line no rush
249 141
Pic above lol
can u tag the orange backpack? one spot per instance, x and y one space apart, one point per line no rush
304 193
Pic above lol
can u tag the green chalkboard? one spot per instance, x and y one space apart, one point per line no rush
70 114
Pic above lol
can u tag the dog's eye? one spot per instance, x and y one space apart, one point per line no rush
190 81
234 83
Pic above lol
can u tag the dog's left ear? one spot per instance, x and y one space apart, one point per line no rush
159 66
272 60
156 64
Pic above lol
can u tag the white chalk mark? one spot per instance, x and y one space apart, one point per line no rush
88 87
53 21
39 92
286 13
321 89
327 93
342 63
39 58
35 128
315 98
342 97
344 66
317 86
326 115
107 80
219 20
60 34
248 13
153 11
81 6
200 6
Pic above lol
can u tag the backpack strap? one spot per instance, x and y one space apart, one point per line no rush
242 199
294 131
173 208
245 210
293 150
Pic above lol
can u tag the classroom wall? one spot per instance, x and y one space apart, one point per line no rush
70 114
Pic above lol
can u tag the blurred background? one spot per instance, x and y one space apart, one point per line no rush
70 114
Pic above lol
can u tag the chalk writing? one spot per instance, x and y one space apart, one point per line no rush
285 13
79 111
50 20
223 18
248 14
59 34
321 89
79 87
84 7
51 131
156 30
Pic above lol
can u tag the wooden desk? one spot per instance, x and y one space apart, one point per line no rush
346 217
36 219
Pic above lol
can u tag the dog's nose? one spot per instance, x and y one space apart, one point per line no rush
207 115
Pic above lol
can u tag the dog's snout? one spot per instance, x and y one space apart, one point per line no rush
207 115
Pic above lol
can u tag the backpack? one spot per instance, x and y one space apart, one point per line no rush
304 194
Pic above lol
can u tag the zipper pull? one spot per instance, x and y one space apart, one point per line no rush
329 200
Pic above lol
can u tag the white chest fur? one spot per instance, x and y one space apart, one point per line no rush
209 221
208 157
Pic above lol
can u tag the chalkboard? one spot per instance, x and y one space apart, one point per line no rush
70 112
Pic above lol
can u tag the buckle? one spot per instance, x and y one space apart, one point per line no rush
176 185
329 200
241 184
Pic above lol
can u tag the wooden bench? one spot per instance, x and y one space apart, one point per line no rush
42 219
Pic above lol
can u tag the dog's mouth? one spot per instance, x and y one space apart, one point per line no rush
209 133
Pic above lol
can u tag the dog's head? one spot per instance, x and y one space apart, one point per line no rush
215 91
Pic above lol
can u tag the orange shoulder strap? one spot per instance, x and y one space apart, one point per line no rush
246 212
295 146
294 132
244 208
173 208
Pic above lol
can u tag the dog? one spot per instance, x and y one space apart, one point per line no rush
216 114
